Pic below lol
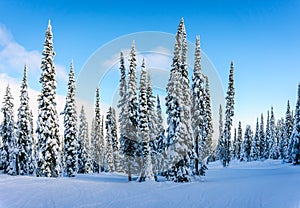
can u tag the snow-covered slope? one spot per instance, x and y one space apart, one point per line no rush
255 184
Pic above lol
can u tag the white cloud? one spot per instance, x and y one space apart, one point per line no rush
13 56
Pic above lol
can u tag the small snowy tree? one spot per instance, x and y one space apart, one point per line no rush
255 146
143 119
9 149
112 143
70 124
295 137
108 137
246 147
229 113
84 157
238 145
220 147
24 131
48 144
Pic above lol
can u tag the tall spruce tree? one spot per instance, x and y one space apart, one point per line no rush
209 122
96 139
229 113
144 131
48 144
154 134
130 138
268 138
178 111
295 137
273 145
123 115
262 138
220 146
199 114
70 124
288 129
24 131
84 157
9 152
255 146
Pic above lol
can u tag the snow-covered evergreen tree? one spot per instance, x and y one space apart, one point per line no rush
9 152
209 122
239 140
295 137
160 127
112 143
279 131
129 129
108 137
288 129
144 131
255 146
123 115
233 156
229 113
268 138
262 138
96 139
48 140
24 131
161 139
154 134
199 114
70 132
220 146
178 110
84 157
273 145
246 146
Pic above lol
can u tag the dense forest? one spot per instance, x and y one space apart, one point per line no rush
141 145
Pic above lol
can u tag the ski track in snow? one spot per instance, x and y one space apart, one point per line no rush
255 184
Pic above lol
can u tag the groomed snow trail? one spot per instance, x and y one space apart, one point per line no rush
255 184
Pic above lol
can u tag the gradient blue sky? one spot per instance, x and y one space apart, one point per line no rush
262 37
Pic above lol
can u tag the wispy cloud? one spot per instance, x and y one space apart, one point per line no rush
13 56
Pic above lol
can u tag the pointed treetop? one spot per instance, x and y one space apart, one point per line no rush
182 20
158 100
133 44
72 66
49 25
143 64
231 64
25 72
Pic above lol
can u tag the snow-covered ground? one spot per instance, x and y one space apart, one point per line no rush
256 184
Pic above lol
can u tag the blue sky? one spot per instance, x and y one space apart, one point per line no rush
262 37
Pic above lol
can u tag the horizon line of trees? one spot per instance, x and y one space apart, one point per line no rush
142 147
